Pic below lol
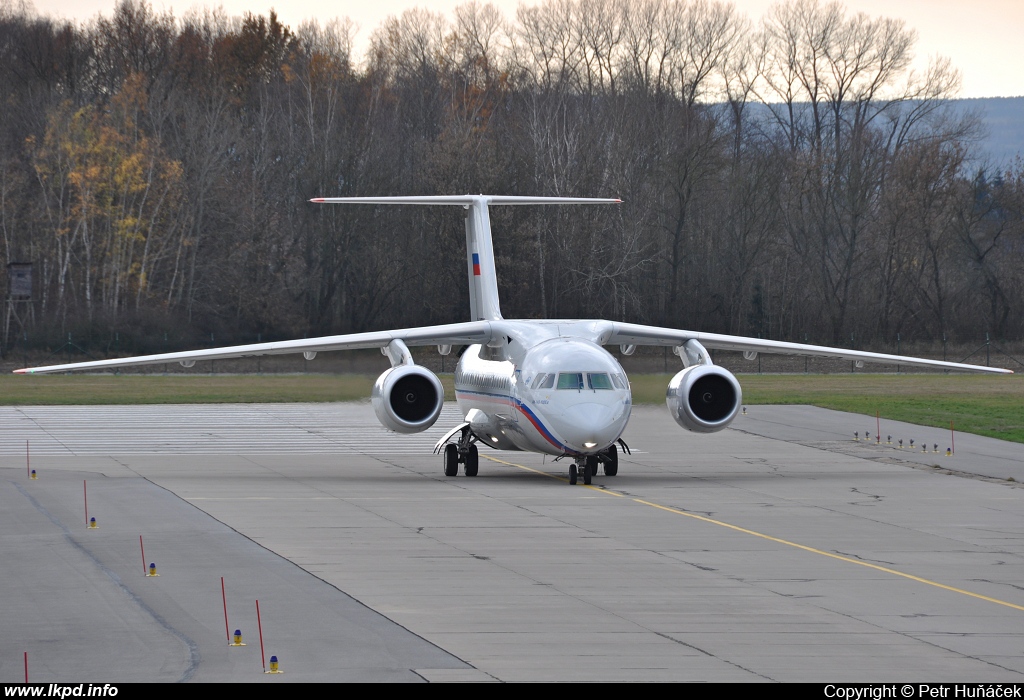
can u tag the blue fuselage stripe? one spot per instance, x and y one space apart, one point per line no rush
524 409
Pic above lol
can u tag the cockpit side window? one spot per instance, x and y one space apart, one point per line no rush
619 381
544 381
599 380
570 380
547 383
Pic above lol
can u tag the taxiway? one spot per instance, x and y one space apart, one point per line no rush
776 550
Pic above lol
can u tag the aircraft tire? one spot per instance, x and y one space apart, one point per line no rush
472 461
589 470
611 467
451 460
572 475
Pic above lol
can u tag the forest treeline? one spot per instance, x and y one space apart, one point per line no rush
792 179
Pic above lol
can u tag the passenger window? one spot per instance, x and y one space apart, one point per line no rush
570 380
599 380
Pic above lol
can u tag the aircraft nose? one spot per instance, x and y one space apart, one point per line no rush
589 427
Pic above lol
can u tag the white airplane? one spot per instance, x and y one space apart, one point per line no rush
539 386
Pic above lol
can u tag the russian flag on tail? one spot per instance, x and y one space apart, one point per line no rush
476 264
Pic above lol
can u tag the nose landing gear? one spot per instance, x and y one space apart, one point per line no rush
586 466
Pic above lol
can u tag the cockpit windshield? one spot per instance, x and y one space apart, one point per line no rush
570 380
596 381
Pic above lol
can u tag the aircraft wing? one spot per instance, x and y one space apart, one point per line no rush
451 334
634 334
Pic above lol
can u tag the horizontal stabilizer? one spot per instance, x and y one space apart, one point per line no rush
463 200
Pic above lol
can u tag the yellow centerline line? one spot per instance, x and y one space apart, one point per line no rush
777 540
551 476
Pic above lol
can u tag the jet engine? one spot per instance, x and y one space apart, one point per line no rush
704 398
407 399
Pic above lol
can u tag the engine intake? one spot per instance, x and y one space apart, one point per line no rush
704 398
407 399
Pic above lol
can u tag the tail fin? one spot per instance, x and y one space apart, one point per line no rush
483 280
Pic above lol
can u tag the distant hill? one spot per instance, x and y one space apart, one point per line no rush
1003 118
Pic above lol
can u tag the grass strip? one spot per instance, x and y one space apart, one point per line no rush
991 406
985 405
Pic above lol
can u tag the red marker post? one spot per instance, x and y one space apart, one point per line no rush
143 554
224 597
259 625
85 495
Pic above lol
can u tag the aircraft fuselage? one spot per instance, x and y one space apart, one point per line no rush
546 388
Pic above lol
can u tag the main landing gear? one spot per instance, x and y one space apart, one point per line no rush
463 452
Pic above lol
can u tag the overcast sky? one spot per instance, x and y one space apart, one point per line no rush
981 37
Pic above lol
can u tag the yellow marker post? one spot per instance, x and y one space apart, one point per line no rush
152 570
237 640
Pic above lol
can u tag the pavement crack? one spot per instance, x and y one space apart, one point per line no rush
45 431
858 557
999 583
707 653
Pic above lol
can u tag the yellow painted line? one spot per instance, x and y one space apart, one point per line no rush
551 476
781 541
261 498
822 552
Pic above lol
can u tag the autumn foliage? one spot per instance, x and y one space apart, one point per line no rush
792 179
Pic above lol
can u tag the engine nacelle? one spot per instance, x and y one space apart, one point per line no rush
407 399
704 398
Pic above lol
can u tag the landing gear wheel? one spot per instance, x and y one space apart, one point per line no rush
451 460
611 467
472 461
589 469
572 474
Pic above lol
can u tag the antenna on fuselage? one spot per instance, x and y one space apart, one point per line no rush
483 279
